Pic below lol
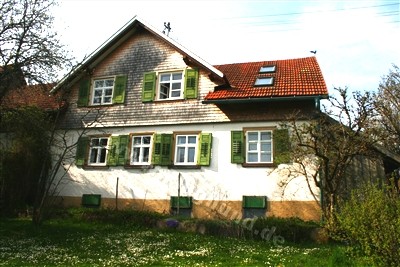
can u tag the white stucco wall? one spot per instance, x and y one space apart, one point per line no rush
222 180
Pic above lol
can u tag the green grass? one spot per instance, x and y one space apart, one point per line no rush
83 242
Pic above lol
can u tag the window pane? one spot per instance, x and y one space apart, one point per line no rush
108 92
252 157
165 77
192 139
180 154
98 92
265 135
266 147
137 140
103 155
99 83
95 142
253 147
176 86
164 89
136 153
109 83
146 153
266 157
107 100
176 94
146 140
93 155
181 140
252 136
177 76
191 154
103 142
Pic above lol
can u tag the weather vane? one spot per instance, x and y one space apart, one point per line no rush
167 28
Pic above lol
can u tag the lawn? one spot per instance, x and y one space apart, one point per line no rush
67 242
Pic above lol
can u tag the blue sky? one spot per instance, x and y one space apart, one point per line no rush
356 41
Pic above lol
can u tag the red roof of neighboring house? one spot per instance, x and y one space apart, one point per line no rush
292 77
32 95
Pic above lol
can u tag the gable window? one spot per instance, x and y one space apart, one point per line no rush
260 147
98 151
264 81
102 91
267 69
170 85
141 149
185 150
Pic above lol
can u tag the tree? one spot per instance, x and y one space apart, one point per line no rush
30 52
331 141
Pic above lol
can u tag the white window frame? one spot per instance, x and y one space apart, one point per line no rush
170 84
102 89
141 148
98 149
186 147
264 81
256 146
268 69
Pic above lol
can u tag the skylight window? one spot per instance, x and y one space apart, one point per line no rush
263 81
266 69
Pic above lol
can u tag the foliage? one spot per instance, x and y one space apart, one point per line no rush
331 141
70 242
29 48
370 221
22 159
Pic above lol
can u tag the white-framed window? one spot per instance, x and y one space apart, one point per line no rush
141 149
267 69
259 146
103 91
170 85
186 149
264 81
98 151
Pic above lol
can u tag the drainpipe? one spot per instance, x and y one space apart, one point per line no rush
179 192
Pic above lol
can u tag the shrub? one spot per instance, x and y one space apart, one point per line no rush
370 221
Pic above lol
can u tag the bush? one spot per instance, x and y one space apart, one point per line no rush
370 221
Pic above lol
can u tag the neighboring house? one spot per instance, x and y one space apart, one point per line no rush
160 122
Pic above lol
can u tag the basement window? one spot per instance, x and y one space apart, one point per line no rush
264 81
267 69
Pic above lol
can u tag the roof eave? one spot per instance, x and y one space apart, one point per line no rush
263 99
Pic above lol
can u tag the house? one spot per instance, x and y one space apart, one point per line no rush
158 128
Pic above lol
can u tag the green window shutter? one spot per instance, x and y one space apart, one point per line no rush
119 89
205 149
166 149
149 86
237 147
157 149
84 92
81 151
113 151
191 83
282 146
162 149
123 149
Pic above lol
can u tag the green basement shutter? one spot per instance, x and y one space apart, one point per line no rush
282 146
237 149
162 149
149 86
184 202
123 145
191 83
84 92
258 202
119 89
81 151
205 149
113 151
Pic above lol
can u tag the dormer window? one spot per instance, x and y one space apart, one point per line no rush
264 81
267 69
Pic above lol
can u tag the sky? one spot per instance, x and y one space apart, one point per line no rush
357 42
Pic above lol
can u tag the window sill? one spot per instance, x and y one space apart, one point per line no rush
184 167
89 167
140 167
258 165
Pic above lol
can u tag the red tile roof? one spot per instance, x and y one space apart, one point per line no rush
293 77
32 95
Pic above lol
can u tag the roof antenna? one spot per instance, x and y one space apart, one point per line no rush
167 28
